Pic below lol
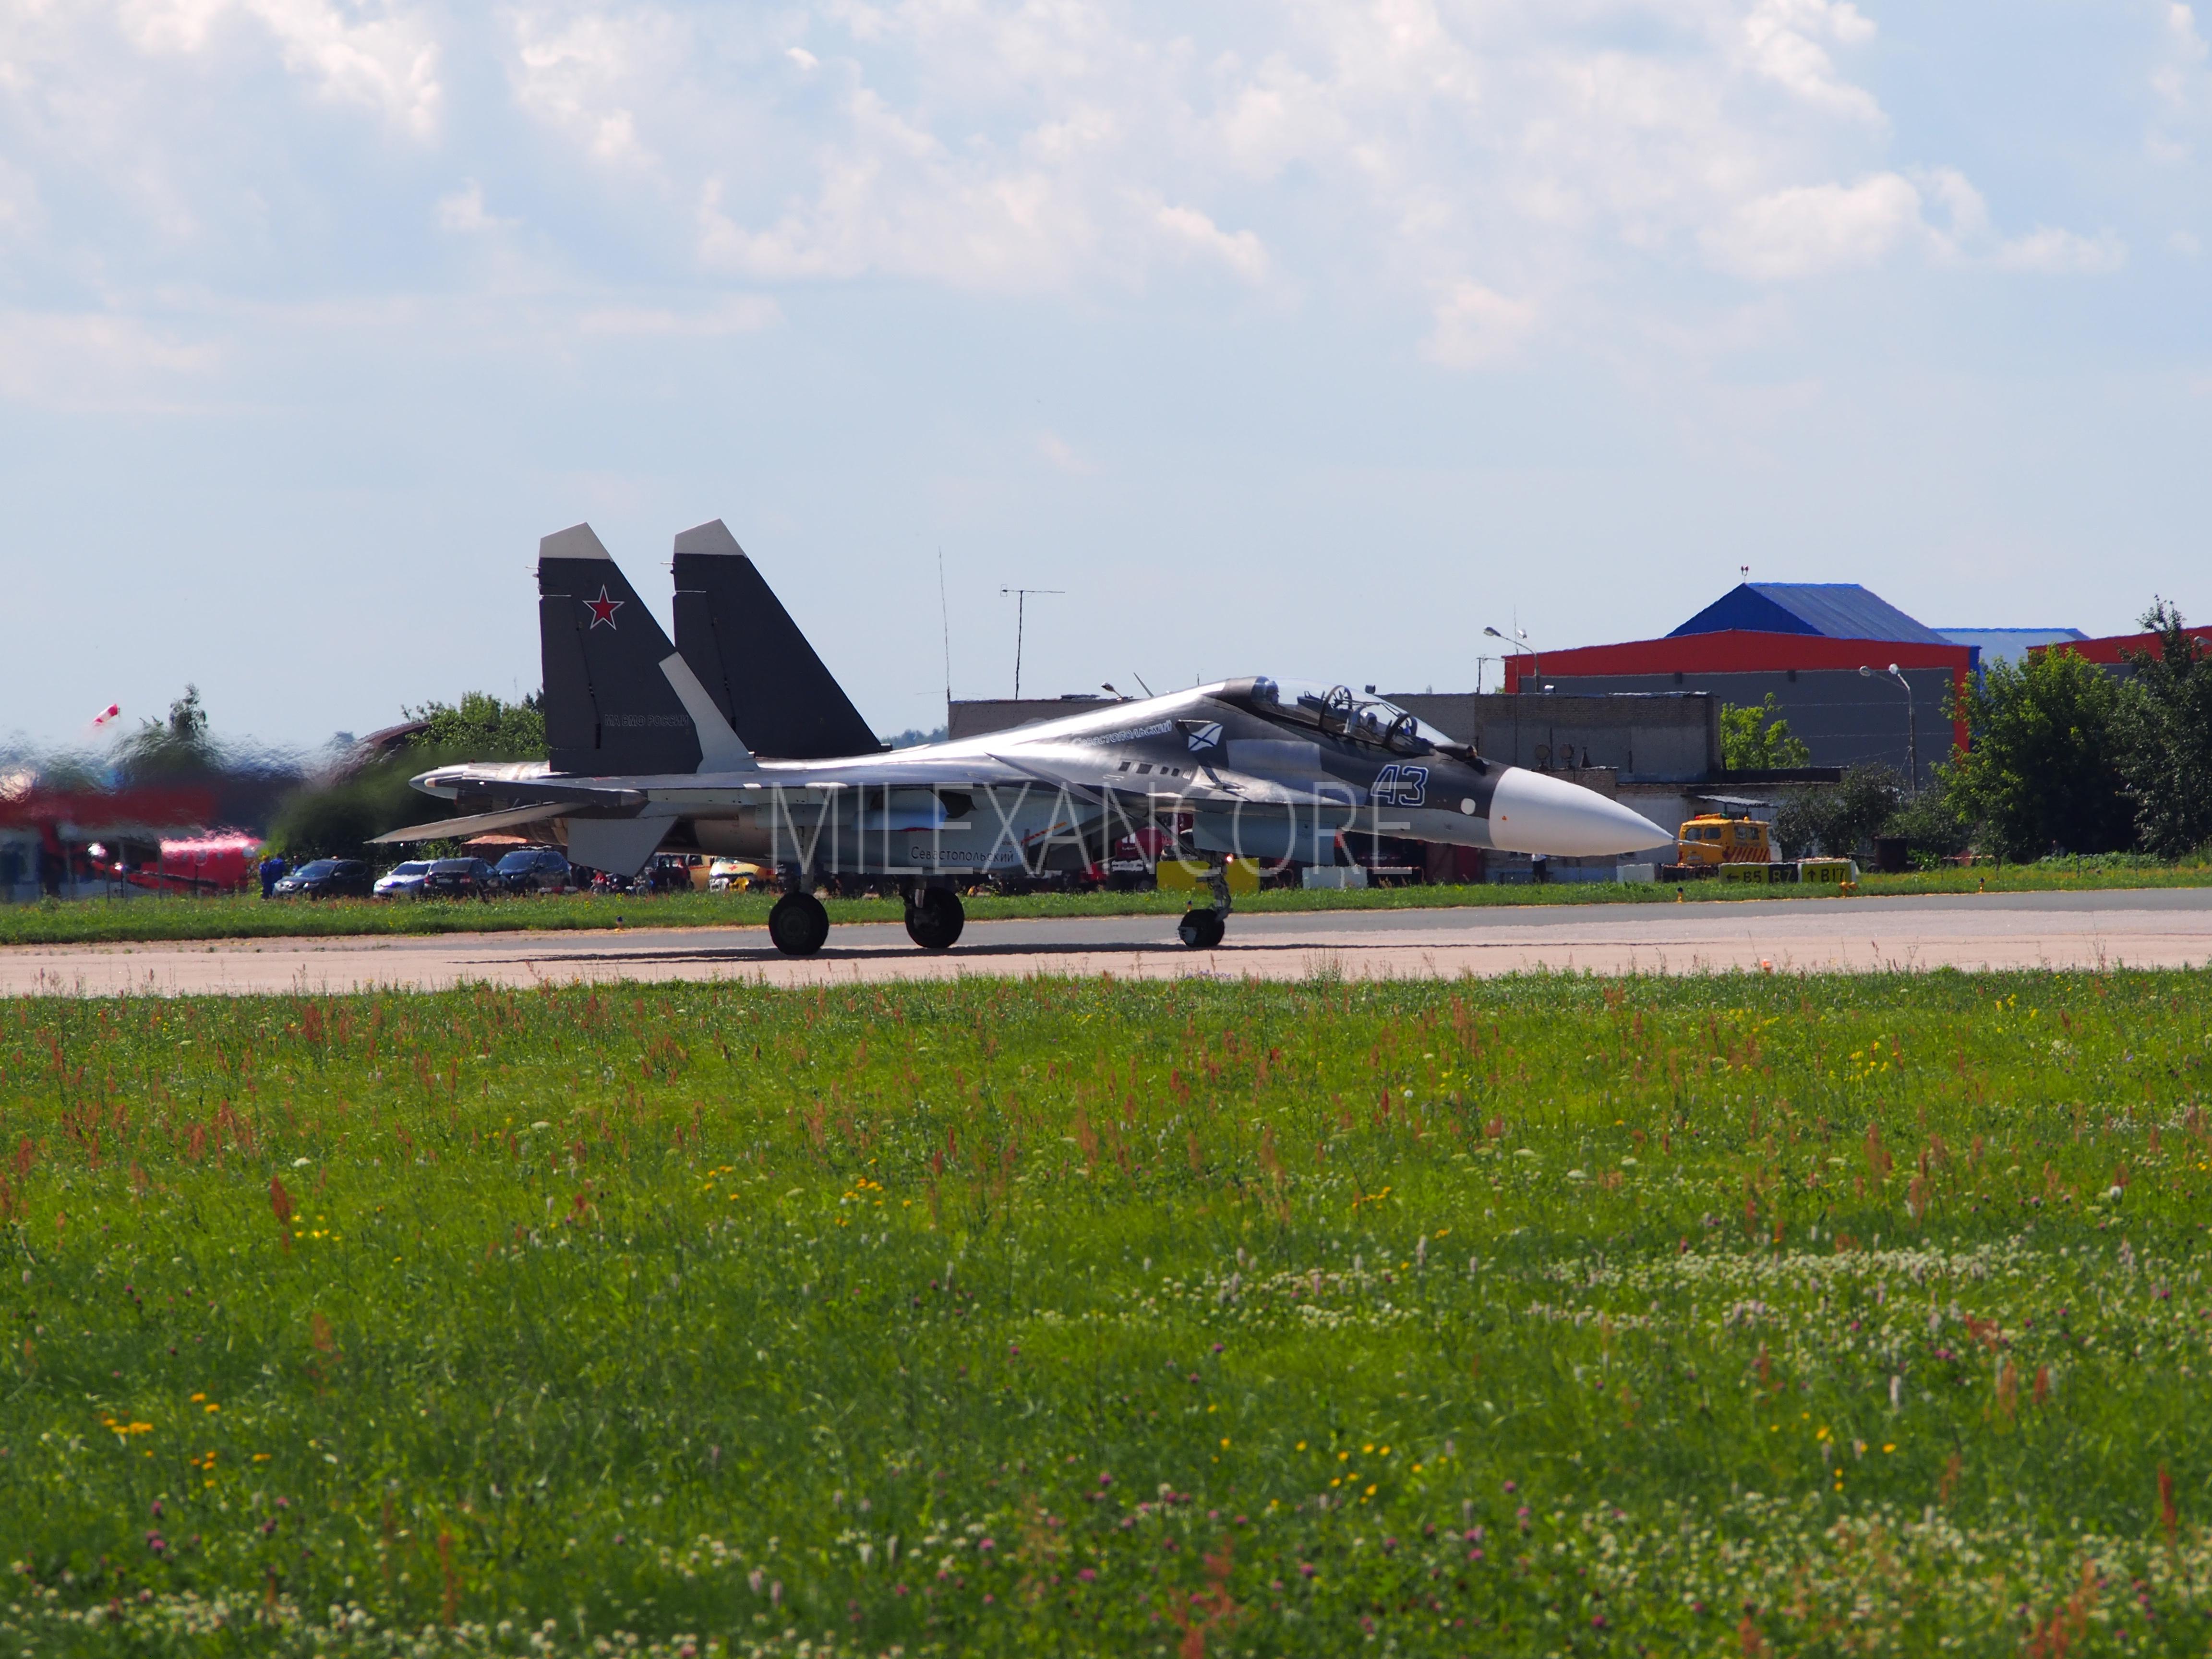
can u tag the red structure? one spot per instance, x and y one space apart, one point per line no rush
57 831
2112 651
204 864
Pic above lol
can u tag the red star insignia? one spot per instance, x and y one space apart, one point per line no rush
603 609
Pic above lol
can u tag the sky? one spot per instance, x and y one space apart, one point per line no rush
1306 338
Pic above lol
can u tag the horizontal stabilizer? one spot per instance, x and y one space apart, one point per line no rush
620 847
479 824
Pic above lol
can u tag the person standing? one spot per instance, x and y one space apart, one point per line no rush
272 871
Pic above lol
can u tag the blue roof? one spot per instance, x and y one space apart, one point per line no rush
1836 611
2009 644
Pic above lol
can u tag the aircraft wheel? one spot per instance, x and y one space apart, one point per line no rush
934 920
1201 930
798 923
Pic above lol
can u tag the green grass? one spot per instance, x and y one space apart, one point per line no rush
1547 1315
99 920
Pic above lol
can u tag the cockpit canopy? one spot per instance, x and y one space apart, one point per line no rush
1340 712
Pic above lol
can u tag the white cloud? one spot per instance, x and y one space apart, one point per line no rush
735 313
894 199
1477 327
1242 251
1374 151
589 78
1813 230
2180 84
1061 454
2177 78
463 211
1781 42
94 361
1819 230
386 60
2049 249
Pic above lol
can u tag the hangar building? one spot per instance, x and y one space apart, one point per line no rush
1804 642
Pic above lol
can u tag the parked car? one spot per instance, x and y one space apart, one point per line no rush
326 878
680 872
460 878
733 876
402 880
533 870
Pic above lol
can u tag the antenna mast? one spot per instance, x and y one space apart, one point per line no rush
944 618
1021 608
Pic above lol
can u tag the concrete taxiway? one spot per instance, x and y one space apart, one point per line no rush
2169 927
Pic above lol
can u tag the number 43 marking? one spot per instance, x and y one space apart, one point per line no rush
1401 785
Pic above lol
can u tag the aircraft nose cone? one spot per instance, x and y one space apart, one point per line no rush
1533 813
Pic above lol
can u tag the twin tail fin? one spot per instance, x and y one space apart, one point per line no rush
620 700
763 676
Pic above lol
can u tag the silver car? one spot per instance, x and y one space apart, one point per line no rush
402 880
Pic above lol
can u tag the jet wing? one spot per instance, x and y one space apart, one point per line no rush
818 783
480 823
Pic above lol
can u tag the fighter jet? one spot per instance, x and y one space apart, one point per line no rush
648 742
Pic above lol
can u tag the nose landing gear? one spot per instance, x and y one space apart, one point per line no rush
1201 930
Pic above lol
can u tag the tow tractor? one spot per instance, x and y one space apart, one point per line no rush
1740 848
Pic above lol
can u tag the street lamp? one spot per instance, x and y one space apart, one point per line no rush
1911 721
1520 635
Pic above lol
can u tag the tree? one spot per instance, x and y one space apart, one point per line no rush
2167 758
915 735
1930 821
336 815
178 745
482 727
1755 738
1839 820
2044 769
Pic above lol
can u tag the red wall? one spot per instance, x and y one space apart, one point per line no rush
2109 649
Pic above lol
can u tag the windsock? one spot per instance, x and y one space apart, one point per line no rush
107 715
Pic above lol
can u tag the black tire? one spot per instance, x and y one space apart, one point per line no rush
798 923
934 920
1201 930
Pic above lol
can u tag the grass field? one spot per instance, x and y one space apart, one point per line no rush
1732 1315
96 920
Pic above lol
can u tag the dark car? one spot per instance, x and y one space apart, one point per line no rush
326 878
672 872
463 878
533 870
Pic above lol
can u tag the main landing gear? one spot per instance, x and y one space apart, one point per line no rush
1202 928
934 918
798 923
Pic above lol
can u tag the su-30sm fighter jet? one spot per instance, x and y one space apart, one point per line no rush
738 744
